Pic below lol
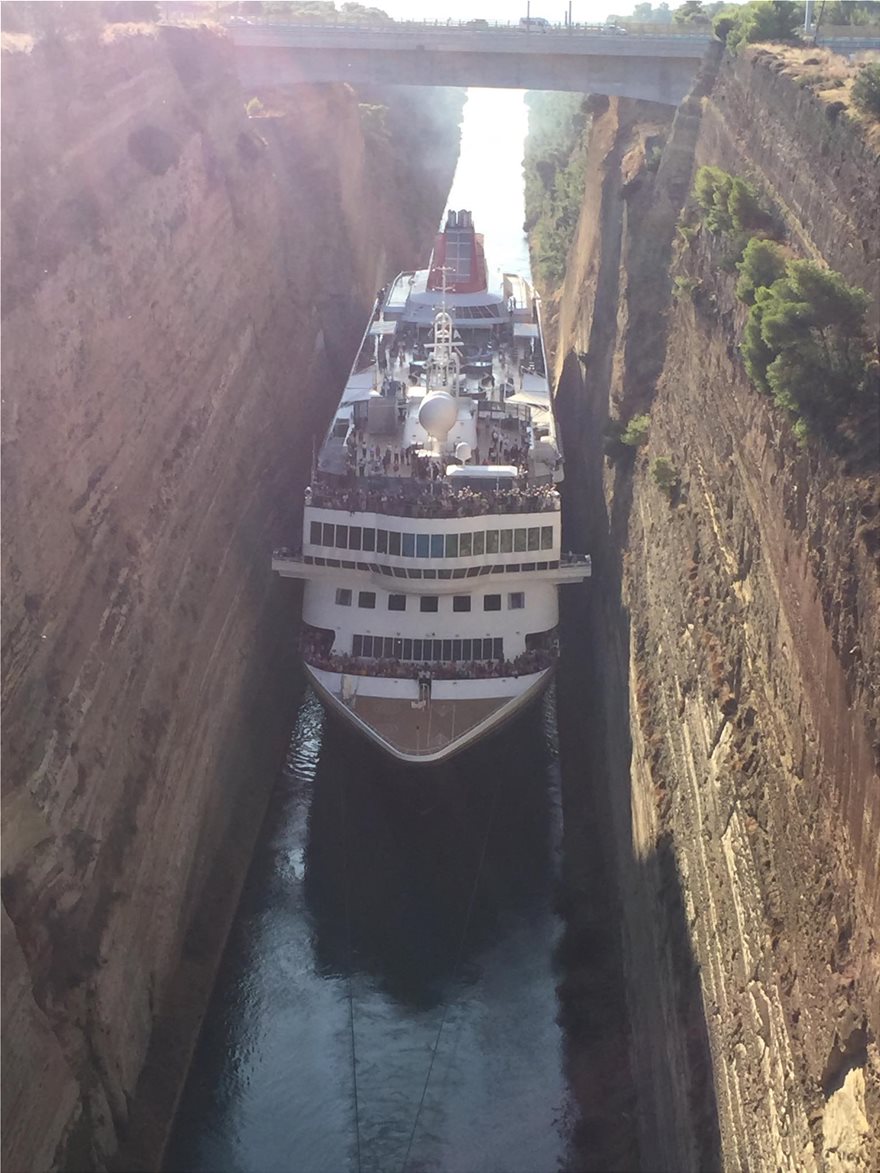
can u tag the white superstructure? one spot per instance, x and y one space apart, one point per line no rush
431 546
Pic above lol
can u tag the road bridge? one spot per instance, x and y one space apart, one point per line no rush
655 66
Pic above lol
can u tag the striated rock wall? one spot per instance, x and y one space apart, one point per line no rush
183 288
737 626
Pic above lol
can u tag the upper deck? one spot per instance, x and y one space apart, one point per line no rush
461 352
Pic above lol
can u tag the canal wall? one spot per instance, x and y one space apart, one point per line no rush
183 289
734 623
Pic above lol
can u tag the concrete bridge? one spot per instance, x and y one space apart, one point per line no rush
654 66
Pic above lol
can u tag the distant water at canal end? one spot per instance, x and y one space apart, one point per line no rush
387 999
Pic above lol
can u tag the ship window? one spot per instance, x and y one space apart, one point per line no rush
343 596
422 544
367 599
553 565
387 570
497 649
414 574
534 538
459 602
332 561
459 573
369 539
492 541
417 649
506 541
328 534
464 545
362 566
452 545
393 542
315 533
388 647
491 602
429 603
436 545
512 568
456 649
429 573
397 649
546 537
542 565
347 565
466 649
407 649
368 645
398 572
381 541
357 646
485 570
354 537
446 651
397 602
473 571
519 539
409 545
528 566
444 573
342 537
319 561
516 600
436 649
479 542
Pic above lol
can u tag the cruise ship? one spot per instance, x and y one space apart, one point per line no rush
431 548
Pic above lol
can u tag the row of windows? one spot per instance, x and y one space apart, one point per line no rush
516 600
408 572
381 647
406 545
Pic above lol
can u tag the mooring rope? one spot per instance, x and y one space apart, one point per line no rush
467 921
354 1082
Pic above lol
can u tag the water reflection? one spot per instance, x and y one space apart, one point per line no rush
426 899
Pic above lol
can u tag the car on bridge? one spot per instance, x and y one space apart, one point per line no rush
526 23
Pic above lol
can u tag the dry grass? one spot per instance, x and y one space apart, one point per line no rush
829 76
119 32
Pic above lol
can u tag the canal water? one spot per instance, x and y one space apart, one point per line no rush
388 997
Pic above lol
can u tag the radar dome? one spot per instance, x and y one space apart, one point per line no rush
463 451
438 413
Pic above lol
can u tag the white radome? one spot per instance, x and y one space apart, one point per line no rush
438 413
463 451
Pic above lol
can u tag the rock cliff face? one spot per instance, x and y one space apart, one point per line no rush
737 629
183 290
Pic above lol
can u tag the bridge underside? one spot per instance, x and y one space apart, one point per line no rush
661 79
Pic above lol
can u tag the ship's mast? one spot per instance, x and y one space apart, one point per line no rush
442 371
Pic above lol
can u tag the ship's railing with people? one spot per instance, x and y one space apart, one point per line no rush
523 665
441 501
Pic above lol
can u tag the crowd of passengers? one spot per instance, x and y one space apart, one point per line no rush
446 502
523 665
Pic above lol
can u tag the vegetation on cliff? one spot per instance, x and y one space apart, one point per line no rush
805 340
554 178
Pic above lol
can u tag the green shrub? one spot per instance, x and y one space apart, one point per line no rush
762 20
254 107
665 475
635 434
763 262
805 343
866 91
685 287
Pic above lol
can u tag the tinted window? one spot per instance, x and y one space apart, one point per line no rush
492 541
397 602
464 545
382 541
315 533
343 596
369 539
461 602
354 537
506 541
342 537
357 645
409 545
546 537
516 601
534 542
491 602
436 545
479 542
393 542
452 545
421 545
428 603
367 599
519 539
328 534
